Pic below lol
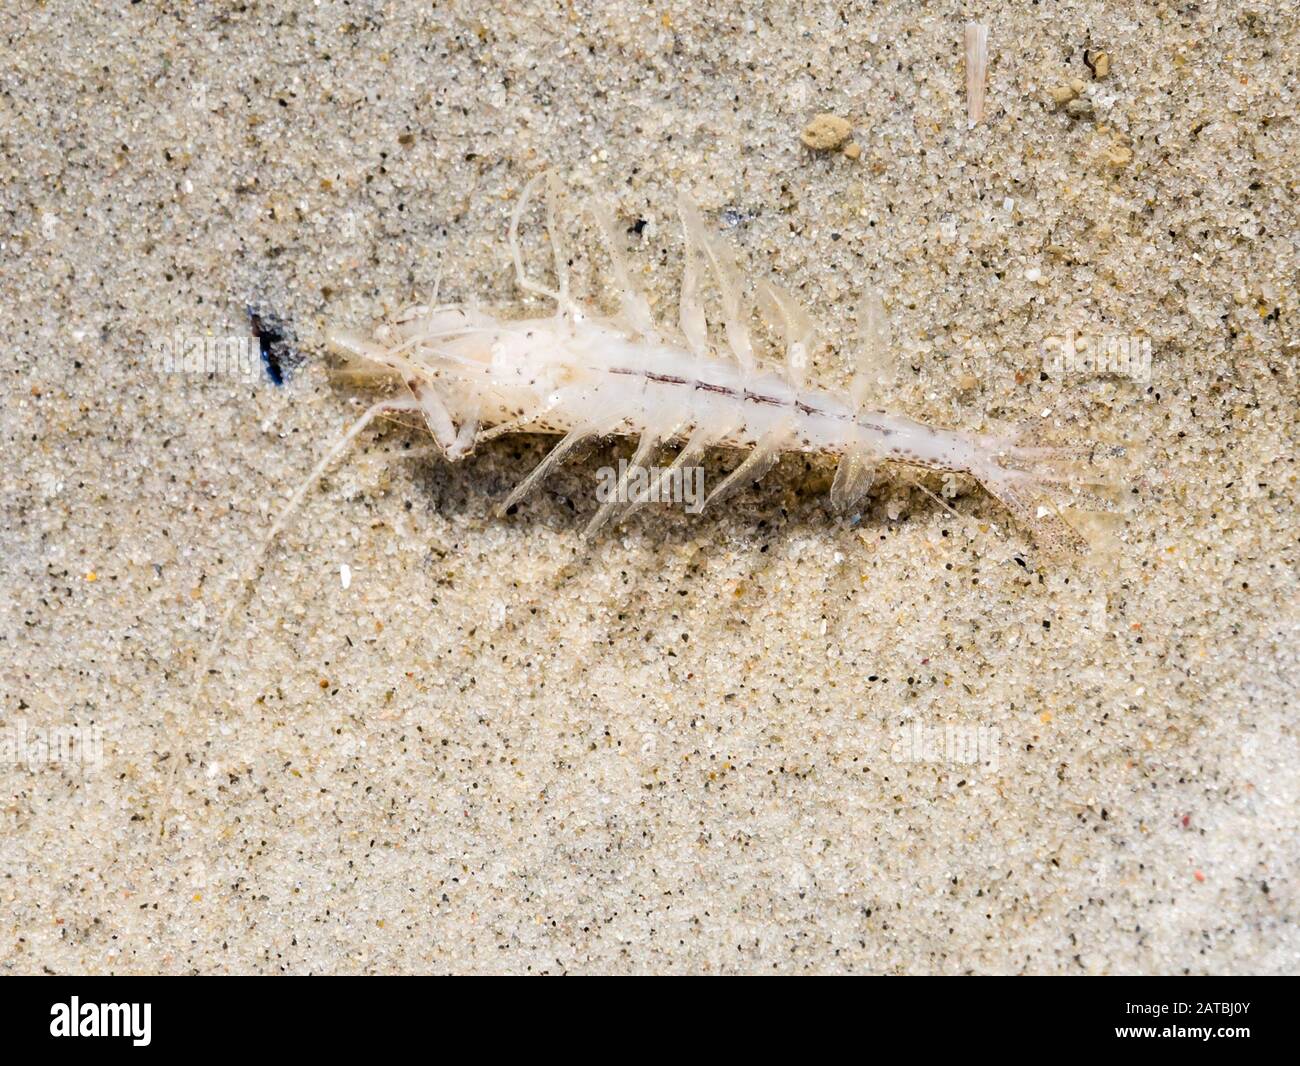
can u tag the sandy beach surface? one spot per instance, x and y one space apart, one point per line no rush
767 738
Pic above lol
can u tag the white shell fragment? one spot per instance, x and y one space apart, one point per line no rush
977 54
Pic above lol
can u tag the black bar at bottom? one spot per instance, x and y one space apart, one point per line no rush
296 1015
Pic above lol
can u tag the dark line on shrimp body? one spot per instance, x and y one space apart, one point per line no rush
745 394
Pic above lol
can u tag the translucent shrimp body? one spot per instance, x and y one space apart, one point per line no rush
579 374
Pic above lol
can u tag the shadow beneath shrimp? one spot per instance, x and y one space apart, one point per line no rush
789 501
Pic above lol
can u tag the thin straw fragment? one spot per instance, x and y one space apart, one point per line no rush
977 54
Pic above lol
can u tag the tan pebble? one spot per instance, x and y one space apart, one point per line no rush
825 132
1101 64
1062 95
1078 86
1120 156
853 150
